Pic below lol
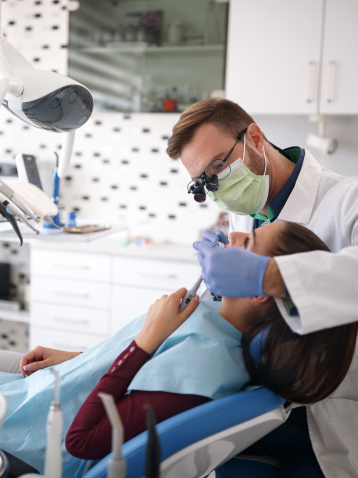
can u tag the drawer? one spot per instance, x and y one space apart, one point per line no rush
70 319
162 275
62 340
71 265
129 303
66 292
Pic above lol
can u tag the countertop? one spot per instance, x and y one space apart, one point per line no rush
165 252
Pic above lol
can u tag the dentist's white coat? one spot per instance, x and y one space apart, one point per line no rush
324 288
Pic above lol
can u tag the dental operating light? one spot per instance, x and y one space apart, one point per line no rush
44 99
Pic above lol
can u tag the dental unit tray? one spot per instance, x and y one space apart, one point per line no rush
87 229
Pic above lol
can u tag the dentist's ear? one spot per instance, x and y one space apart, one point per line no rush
254 137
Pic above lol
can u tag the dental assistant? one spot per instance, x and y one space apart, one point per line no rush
221 145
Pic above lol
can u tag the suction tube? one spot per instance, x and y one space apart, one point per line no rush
54 429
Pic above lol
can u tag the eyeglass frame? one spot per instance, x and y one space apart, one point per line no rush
203 179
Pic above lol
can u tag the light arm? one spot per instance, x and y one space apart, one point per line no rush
4 86
66 153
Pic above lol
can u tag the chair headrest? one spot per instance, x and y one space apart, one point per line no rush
257 345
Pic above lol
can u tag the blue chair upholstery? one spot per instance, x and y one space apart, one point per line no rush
194 425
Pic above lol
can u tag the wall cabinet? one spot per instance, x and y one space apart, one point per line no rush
339 94
288 57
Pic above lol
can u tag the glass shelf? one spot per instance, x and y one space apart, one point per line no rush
153 49
148 55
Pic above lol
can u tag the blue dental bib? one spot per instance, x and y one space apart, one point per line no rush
202 357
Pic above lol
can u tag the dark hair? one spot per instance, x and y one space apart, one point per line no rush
225 114
300 368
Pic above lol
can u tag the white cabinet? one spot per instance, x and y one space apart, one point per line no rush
340 58
156 274
54 339
131 302
289 57
80 299
70 319
71 265
69 292
273 55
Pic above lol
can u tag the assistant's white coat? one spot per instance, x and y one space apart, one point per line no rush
326 294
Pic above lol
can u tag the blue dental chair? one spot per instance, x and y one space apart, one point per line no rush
200 440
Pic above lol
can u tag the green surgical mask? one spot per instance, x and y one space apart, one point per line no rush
242 192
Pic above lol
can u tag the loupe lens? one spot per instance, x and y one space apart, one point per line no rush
200 197
212 183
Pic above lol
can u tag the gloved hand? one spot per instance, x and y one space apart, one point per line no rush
230 272
211 237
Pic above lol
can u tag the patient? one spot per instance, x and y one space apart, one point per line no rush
175 364
302 369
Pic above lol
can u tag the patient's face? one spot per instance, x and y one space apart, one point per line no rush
238 311
259 241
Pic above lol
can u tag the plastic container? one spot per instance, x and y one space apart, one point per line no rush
71 220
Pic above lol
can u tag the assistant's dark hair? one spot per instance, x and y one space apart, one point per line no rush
300 368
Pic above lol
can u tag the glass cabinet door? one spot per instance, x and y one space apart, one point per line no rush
149 55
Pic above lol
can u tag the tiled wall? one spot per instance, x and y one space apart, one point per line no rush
119 167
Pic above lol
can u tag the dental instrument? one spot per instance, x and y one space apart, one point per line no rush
16 211
189 295
154 452
35 198
117 465
55 198
8 215
10 194
54 430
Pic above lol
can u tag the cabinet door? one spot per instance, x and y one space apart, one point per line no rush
70 341
273 55
131 302
340 58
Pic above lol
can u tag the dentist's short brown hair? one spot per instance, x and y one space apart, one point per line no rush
225 114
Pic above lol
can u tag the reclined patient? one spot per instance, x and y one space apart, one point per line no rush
176 361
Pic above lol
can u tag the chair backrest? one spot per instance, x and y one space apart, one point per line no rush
199 440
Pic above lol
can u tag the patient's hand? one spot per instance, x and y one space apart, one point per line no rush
163 318
41 357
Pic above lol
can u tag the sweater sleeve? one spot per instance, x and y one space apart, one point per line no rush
91 419
90 434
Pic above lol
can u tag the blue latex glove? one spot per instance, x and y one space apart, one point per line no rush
211 237
230 272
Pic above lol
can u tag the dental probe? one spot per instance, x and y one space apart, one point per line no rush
16 211
10 194
190 294
54 430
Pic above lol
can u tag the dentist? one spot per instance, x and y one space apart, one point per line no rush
229 159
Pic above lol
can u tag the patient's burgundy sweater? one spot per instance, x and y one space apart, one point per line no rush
90 434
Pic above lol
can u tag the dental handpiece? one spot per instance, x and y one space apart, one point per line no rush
17 212
10 194
190 294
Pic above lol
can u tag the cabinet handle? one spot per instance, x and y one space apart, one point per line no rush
77 321
70 294
65 346
310 82
71 266
156 274
330 82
